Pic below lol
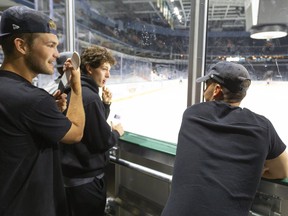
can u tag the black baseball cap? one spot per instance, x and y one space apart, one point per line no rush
228 74
62 58
21 19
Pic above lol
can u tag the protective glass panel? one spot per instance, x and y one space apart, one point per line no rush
149 40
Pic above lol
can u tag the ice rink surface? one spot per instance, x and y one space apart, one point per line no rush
156 110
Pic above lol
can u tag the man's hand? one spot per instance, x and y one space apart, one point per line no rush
118 128
74 76
106 95
61 100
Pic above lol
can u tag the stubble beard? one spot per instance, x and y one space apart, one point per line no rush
35 66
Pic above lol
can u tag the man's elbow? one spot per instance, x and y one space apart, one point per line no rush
78 138
73 136
285 175
276 168
276 174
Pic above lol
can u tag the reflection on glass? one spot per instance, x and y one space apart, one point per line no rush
150 43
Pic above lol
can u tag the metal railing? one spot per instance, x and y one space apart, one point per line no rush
151 172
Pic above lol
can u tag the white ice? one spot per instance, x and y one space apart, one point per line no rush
155 109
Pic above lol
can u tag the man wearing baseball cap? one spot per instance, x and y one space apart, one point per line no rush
223 150
31 124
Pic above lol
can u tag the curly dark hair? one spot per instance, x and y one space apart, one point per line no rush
95 56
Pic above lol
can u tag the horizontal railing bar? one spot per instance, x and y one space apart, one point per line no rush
143 169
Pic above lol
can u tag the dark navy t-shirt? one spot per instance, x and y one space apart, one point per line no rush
30 128
219 160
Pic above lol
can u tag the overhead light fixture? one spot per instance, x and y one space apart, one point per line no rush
268 32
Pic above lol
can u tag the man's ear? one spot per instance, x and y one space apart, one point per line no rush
20 45
217 93
88 69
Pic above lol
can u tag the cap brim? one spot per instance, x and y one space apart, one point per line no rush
203 79
4 34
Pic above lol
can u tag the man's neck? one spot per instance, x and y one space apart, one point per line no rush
235 104
18 68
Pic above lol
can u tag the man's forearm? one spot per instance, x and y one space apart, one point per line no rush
75 111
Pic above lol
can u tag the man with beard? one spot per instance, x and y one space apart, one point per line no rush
223 150
31 124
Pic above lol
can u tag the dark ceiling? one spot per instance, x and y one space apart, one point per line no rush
222 13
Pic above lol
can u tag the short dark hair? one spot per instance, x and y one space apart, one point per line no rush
95 56
235 97
7 42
